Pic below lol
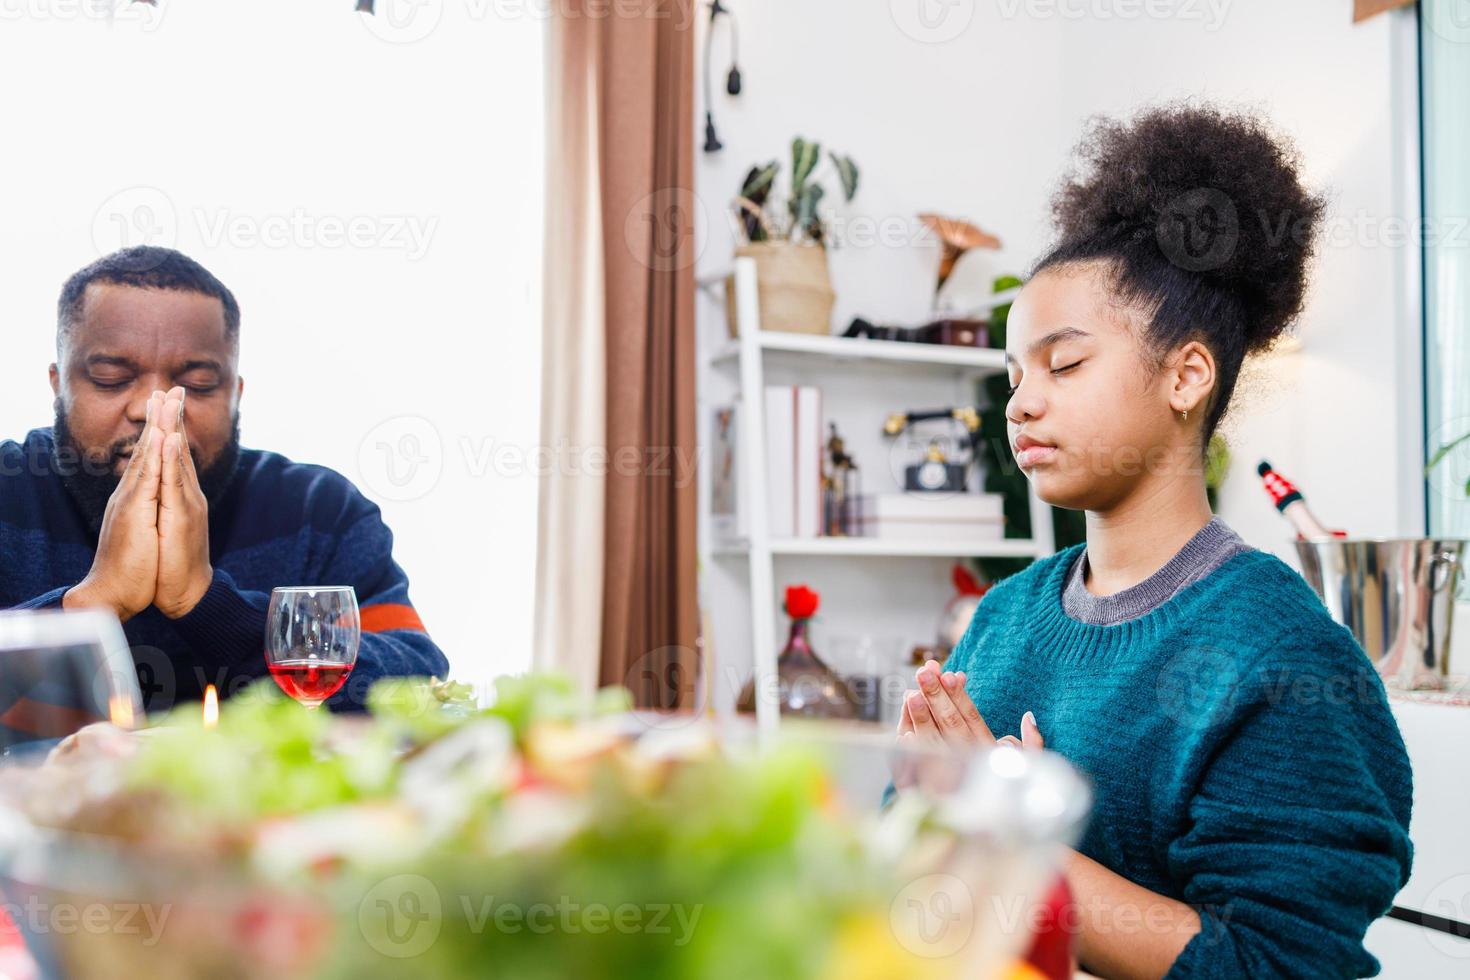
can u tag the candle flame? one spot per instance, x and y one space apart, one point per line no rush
211 707
120 711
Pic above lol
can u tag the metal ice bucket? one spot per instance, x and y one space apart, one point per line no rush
1397 595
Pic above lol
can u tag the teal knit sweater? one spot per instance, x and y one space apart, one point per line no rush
1241 750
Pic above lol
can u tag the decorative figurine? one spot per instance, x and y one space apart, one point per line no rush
842 491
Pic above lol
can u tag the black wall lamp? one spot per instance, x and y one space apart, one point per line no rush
733 83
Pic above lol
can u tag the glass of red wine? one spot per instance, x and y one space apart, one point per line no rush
312 633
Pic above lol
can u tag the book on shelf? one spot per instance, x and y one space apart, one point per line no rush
794 460
727 516
978 517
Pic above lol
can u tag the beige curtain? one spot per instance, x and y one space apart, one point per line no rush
568 616
616 582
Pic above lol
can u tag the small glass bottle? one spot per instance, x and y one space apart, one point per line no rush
806 686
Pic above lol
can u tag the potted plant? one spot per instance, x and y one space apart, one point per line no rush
1439 459
788 238
1443 451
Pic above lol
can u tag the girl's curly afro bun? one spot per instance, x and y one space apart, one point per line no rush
1202 220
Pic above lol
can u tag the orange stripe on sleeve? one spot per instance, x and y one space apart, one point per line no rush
45 720
390 616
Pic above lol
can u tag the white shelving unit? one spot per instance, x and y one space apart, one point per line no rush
876 548
741 367
982 360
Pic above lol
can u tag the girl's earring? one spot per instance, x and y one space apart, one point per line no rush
1184 415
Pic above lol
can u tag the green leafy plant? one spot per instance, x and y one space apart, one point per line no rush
752 201
1217 464
801 219
1443 451
1440 455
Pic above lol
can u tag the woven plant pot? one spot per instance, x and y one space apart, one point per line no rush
795 288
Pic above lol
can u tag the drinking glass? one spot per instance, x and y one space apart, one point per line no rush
59 672
312 635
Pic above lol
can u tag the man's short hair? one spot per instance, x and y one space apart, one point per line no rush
144 267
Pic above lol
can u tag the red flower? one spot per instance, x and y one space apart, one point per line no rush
801 602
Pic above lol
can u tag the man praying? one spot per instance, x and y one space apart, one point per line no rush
140 500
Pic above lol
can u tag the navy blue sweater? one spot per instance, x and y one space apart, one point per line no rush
279 523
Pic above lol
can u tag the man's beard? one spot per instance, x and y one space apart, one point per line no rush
90 481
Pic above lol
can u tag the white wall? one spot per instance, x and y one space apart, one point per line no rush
250 136
973 112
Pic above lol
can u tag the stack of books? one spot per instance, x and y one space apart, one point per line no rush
795 448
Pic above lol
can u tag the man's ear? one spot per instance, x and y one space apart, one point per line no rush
1194 378
55 376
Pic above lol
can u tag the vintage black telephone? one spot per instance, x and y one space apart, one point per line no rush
936 472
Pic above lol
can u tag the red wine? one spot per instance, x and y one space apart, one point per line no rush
310 681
